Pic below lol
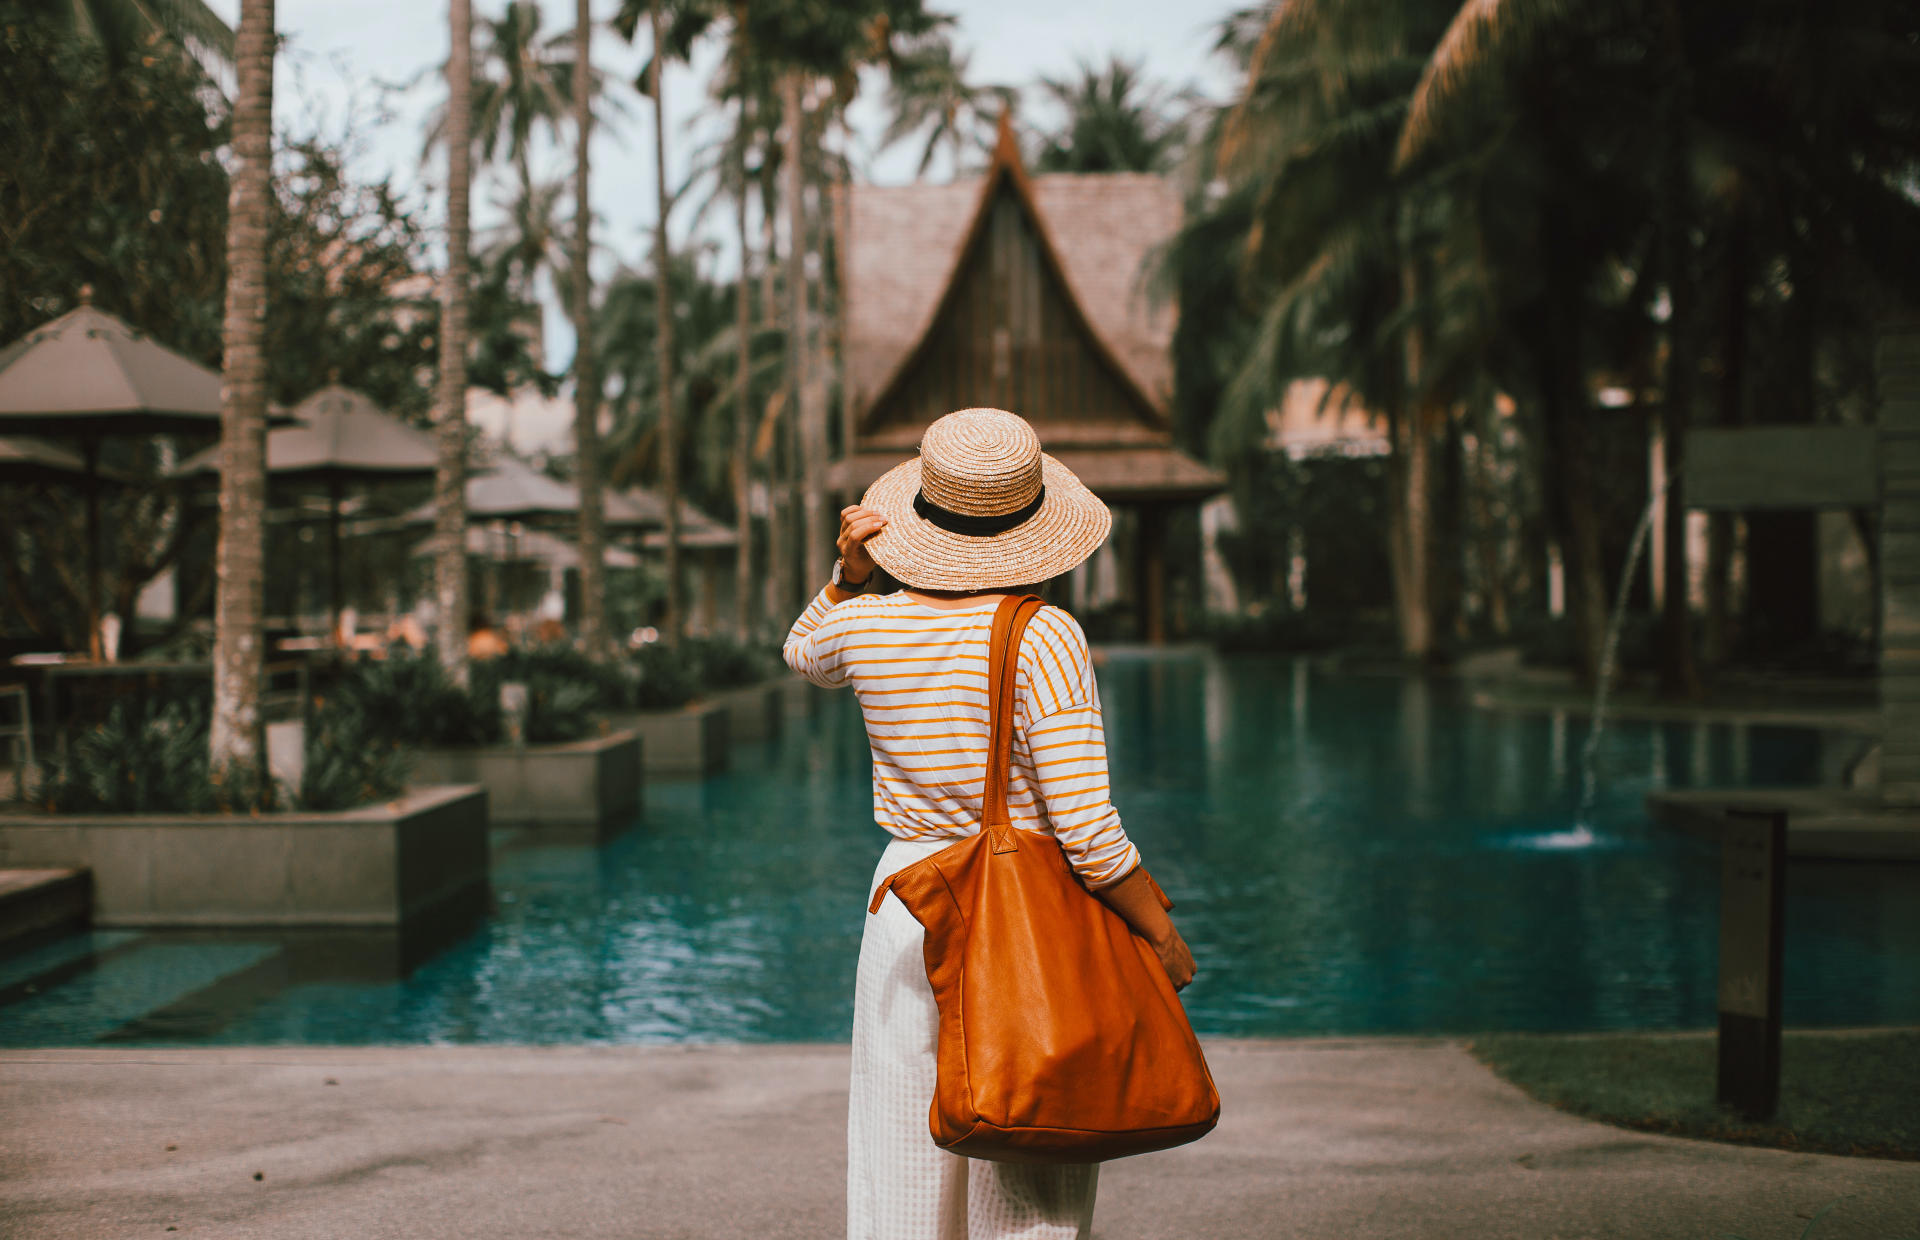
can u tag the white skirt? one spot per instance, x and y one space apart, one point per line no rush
900 1185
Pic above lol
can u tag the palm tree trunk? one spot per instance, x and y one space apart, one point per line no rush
450 400
1718 641
237 741
1678 675
1412 526
586 374
743 415
663 293
1490 531
809 412
779 473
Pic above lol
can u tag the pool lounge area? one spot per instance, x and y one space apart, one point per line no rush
1349 855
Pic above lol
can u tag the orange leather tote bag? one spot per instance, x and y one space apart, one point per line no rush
1061 1039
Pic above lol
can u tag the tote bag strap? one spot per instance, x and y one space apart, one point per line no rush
1003 666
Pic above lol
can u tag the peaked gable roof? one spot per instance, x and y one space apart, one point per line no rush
904 245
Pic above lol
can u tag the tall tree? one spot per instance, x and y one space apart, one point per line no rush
929 92
450 403
1113 120
586 375
125 29
809 415
237 744
669 430
743 411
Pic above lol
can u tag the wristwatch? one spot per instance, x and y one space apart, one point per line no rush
841 583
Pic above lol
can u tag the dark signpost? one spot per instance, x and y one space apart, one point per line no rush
1753 855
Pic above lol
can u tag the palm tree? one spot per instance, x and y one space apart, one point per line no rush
928 92
1115 121
1743 145
663 336
125 28
1327 241
237 744
523 86
531 240
586 376
450 403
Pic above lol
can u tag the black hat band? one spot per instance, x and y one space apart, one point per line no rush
970 525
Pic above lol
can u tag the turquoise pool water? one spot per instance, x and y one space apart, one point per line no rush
1349 855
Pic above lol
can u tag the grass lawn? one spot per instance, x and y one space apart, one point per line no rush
1840 1093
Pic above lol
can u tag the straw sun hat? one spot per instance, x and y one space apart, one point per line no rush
982 508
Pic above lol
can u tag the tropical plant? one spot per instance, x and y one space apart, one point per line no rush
124 30
144 758
450 397
930 93
1113 120
236 742
348 762
412 701
587 380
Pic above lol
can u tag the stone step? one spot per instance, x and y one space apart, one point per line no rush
32 901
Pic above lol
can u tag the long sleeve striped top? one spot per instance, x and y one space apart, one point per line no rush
920 673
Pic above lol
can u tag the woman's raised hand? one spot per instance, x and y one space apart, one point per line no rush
857 524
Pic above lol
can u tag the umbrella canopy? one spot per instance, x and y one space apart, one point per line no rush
697 530
511 490
338 435
24 459
528 546
88 373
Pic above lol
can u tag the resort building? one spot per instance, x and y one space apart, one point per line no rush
1026 293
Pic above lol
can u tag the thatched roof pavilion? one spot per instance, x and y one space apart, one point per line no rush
1025 293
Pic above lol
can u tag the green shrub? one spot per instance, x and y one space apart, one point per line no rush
562 699
607 686
350 761
665 677
722 663
408 700
144 759
153 759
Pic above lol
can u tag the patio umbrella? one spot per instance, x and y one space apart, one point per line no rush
24 459
89 375
511 490
338 437
530 547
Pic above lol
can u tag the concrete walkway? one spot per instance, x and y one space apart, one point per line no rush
1338 1139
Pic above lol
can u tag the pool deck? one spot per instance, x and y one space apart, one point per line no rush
1335 1138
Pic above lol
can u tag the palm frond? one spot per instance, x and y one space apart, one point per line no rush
1480 42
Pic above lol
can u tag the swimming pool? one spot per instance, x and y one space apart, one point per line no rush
1349 855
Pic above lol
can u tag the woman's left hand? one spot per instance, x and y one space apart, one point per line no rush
857 524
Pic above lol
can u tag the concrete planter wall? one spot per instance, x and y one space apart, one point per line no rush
688 740
591 783
801 699
754 712
420 857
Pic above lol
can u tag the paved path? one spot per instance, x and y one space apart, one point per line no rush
1338 1139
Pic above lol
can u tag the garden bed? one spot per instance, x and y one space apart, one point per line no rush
754 712
1840 1092
420 856
680 740
593 783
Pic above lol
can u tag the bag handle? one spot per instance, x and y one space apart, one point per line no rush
1003 666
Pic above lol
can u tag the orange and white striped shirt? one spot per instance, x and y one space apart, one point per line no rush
920 673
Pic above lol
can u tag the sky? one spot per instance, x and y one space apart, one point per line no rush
363 70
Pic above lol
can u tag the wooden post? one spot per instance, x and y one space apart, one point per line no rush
1898 372
1753 855
1150 550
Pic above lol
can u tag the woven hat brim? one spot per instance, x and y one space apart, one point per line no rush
1070 525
